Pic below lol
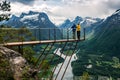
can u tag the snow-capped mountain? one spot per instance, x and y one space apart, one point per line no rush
30 20
77 20
117 12
67 23
34 20
87 22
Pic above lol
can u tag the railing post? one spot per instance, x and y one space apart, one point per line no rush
36 33
49 33
84 33
20 49
17 34
68 34
54 35
62 33
39 35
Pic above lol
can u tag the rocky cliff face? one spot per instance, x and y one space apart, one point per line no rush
17 63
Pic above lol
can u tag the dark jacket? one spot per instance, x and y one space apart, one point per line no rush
73 28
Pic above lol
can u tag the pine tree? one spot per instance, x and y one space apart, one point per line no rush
4 10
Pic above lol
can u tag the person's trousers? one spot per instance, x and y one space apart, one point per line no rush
78 35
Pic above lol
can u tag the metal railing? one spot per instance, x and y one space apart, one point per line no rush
36 34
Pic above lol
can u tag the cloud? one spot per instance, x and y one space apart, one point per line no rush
26 2
59 10
93 8
18 8
113 4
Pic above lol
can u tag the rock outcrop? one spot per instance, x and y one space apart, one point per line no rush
18 64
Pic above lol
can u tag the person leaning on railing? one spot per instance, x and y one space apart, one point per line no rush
74 31
78 31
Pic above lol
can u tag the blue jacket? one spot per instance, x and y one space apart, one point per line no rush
73 28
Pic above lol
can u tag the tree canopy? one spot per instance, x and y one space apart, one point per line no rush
4 10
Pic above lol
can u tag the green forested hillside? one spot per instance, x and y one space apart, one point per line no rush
99 52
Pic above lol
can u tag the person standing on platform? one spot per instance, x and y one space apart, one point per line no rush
74 31
78 31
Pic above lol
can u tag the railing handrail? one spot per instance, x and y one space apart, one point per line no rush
40 33
37 28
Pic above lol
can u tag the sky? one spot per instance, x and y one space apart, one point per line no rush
60 10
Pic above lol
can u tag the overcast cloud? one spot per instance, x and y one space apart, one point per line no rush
59 10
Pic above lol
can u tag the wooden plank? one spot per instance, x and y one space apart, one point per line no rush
38 42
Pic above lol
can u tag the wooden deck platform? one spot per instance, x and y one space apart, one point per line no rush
38 42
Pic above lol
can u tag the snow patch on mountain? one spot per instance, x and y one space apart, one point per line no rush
31 20
117 12
88 21
30 17
91 20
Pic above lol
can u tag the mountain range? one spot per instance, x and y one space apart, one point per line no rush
85 22
39 22
88 22
31 20
34 19
106 38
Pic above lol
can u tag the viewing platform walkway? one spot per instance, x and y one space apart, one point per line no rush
22 36
38 42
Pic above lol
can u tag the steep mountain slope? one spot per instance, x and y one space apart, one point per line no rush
106 38
98 56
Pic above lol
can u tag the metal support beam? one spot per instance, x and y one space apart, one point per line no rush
69 61
20 49
41 55
45 56
51 76
65 59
